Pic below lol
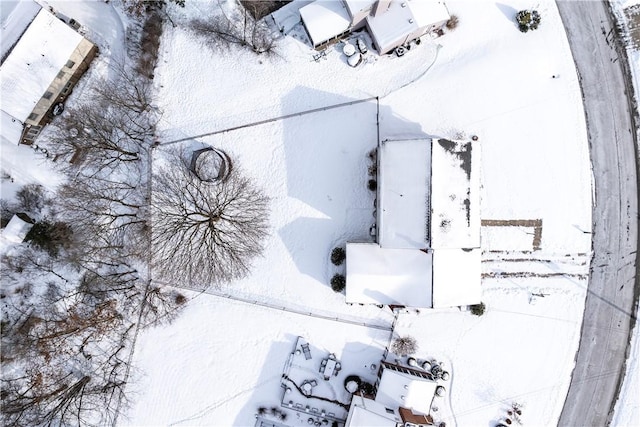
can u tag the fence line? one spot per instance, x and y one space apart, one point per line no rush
273 119
273 306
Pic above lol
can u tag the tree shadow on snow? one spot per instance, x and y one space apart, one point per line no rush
508 11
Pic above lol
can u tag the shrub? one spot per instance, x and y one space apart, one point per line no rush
478 309
338 256
50 236
528 20
31 198
452 23
372 185
180 299
404 346
367 388
338 282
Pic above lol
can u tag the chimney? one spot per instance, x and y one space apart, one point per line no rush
380 7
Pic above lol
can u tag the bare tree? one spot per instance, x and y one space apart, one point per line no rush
138 8
404 346
205 232
115 125
236 26
74 368
31 199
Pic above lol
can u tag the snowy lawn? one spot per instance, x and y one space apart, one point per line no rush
316 181
488 80
222 359
518 351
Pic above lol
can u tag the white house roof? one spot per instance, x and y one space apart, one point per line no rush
400 389
325 19
455 194
34 63
456 277
16 230
356 6
378 275
428 12
396 23
365 412
403 18
403 193
15 17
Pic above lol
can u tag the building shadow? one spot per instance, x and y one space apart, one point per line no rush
327 169
266 393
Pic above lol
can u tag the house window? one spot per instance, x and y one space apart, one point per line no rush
389 411
32 116
67 88
47 95
60 75
70 64
32 132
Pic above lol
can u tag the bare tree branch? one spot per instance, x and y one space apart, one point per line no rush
205 232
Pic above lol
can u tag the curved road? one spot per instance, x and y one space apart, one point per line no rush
613 285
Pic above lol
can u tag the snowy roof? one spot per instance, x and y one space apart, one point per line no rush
401 389
325 19
455 195
378 275
15 17
34 63
428 12
17 229
403 18
403 193
369 413
456 277
355 6
10 128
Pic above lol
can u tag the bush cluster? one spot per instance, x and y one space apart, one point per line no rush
528 20
452 23
338 255
478 309
338 282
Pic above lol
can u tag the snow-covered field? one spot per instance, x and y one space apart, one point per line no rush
485 79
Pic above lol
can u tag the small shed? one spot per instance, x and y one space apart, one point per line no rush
18 228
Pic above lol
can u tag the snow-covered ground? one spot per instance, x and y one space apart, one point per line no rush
485 79
223 358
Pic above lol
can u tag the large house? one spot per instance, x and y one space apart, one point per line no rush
38 71
427 249
391 23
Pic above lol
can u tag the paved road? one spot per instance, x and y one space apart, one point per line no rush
613 287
